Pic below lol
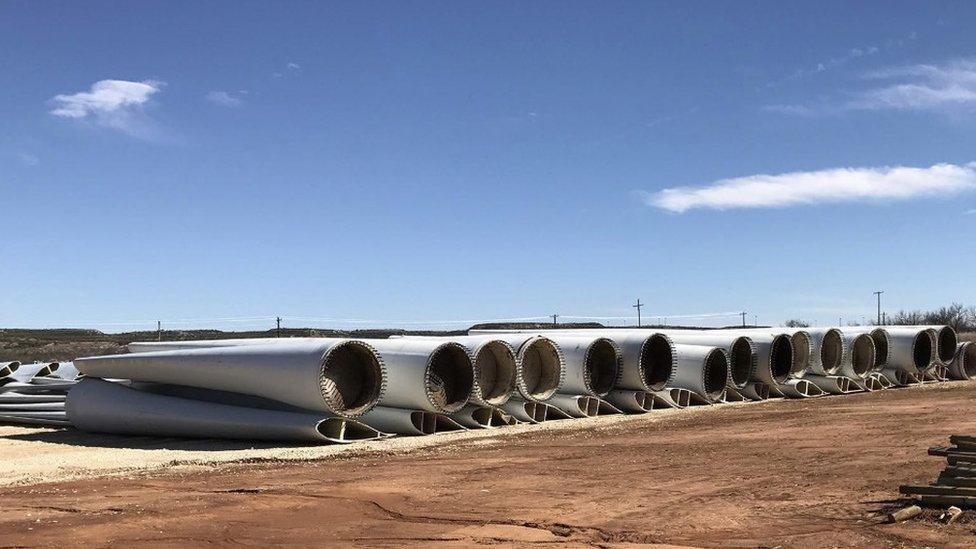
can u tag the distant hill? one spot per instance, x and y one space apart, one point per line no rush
27 345
61 344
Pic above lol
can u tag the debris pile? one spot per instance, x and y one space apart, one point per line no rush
955 488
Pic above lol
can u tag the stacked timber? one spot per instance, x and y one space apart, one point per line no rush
956 485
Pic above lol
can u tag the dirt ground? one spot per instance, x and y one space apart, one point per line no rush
811 473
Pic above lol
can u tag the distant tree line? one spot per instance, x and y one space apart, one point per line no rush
796 323
957 315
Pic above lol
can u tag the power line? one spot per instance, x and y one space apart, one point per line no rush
702 315
415 322
64 323
257 321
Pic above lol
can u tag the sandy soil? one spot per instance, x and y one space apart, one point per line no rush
35 455
812 473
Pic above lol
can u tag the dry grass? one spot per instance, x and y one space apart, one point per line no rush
58 352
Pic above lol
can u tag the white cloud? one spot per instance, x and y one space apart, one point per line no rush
105 96
922 87
294 66
971 212
115 104
833 185
226 99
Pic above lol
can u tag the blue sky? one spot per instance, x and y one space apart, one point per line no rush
420 162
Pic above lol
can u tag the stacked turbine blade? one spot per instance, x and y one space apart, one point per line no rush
33 394
341 390
298 390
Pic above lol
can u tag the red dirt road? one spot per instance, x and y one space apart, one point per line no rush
808 473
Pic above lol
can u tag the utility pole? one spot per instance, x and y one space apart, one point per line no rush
755 320
638 307
554 317
884 319
743 314
878 293
159 330
840 321
279 326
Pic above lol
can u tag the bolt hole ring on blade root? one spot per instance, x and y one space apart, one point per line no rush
449 378
781 358
862 355
801 351
657 361
602 366
947 343
967 356
542 369
832 351
880 337
922 350
742 361
716 373
352 378
497 368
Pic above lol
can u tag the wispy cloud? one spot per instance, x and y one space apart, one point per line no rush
834 62
947 88
922 87
291 67
226 99
851 55
115 104
971 212
795 110
833 185
28 159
